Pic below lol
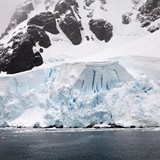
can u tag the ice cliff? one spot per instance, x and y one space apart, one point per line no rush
81 64
57 89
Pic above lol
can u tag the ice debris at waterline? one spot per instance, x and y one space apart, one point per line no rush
78 95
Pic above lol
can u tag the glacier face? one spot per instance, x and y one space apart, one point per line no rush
78 95
56 86
77 86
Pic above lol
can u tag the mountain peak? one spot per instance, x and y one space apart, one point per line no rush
75 23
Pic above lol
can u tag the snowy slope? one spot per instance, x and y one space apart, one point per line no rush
92 83
112 12
146 46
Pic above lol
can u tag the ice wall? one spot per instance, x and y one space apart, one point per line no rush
78 95
94 77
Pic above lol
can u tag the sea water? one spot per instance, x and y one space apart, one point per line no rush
79 144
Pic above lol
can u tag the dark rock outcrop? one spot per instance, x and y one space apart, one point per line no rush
149 13
38 35
154 28
71 28
37 125
145 23
149 7
89 2
90 125
38 60
20 56
46 20
126 18
69 24
102 29
103 2
63 6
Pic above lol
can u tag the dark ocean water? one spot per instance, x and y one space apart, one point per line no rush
79 145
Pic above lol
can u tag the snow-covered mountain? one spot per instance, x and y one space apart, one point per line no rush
82 63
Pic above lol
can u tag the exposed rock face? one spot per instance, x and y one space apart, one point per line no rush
45 20
38 35
149 13
20 15
38 60
126 18
145 23
89 2
69 24
154 28
103 1
102 29
149 7
71 28
59 15
20 56
63 6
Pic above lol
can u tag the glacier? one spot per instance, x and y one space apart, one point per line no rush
93 84
78 95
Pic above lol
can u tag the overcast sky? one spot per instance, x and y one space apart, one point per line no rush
7 8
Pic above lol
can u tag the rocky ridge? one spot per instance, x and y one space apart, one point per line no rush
57 17
150 13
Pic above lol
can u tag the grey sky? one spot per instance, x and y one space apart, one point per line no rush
7 8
